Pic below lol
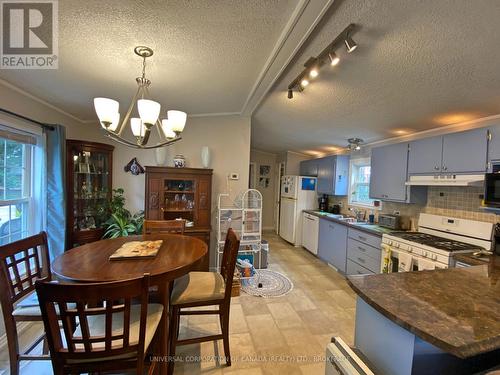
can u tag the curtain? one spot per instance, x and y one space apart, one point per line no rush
56 189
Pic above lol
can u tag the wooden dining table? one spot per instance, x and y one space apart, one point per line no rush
177 256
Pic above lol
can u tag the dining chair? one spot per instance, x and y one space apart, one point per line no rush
22 263
197 289
112 334
163 226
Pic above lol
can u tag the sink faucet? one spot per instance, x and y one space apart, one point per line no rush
358 214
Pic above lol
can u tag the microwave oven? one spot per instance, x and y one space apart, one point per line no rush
492 187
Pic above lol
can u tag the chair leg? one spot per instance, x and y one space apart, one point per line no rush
224 317
45 349
13 344
173 335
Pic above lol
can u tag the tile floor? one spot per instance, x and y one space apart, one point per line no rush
288 334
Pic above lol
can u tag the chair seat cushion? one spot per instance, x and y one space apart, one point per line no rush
97 326
198 287
30 306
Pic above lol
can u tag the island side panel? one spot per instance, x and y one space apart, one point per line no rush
387 346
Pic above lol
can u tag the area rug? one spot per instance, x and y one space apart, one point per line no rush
268 284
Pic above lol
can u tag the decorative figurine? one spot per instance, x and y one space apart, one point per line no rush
134 167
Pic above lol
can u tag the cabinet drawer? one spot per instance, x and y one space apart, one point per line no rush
357 248
356 269
368 239
364 260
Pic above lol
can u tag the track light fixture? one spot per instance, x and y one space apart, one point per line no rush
350 44
334 59
328 55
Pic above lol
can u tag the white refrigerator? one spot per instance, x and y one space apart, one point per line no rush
298 193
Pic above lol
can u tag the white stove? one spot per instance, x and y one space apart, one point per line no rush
433 246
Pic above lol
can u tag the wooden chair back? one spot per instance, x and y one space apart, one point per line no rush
228 264
21 264
164 226
86 352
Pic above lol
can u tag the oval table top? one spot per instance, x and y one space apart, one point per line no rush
90 262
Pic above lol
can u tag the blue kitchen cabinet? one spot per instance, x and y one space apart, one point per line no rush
465 152
389 167
333 175
494 144
309 167
425 156
462 152
332 246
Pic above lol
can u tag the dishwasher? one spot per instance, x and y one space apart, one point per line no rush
310 232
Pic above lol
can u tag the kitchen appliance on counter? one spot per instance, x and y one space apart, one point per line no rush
389 221
298 193
336 209
310 232
323 203
433 246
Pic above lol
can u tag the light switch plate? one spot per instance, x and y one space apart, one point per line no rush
234 176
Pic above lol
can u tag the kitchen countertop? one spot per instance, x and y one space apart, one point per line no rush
455 309
375 229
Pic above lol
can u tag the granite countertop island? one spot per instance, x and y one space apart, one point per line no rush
456 309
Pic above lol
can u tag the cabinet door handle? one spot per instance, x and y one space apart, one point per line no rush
445 168
436 168
362 249
362 238
361 260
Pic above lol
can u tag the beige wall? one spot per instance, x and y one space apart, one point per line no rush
268 193
293 159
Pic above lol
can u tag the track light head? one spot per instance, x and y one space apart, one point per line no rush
314 72
290 94
304 82
334 59
350 44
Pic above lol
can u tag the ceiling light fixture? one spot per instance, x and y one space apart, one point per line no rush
354 144
169 129
313 65
350 44
334 59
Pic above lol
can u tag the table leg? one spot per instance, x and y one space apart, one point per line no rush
164 297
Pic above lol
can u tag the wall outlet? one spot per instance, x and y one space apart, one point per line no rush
234 176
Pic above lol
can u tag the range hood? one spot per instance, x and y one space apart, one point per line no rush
447 180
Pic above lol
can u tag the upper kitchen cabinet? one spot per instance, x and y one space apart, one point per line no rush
425 156
388 176
463 152
388 172
494 145
333 174
309 167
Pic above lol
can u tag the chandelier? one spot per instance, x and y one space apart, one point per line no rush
169 129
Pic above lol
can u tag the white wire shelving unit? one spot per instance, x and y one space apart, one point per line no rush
244 216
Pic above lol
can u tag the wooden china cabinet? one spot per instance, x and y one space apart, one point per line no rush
186 193
88 186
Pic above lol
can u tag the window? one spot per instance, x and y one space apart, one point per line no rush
359 188
15 189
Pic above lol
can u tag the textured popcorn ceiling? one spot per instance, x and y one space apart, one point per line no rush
420 64
208 53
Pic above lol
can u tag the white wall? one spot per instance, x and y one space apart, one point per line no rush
268 193
293 159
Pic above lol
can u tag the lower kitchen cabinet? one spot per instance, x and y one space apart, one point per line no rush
364 253
332 247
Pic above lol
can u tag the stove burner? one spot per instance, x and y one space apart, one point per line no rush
435 241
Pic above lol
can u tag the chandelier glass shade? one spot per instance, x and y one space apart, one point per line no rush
108 112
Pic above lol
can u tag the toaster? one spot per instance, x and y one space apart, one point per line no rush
389 221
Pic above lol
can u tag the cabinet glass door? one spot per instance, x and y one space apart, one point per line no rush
179 200
91 190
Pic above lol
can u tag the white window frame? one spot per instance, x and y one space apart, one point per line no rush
27 183
354 163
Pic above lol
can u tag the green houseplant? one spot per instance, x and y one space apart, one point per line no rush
122 223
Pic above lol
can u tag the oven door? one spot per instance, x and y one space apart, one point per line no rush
492 190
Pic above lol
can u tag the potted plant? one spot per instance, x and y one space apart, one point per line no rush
122 223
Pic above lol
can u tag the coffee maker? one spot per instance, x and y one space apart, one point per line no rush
323 203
